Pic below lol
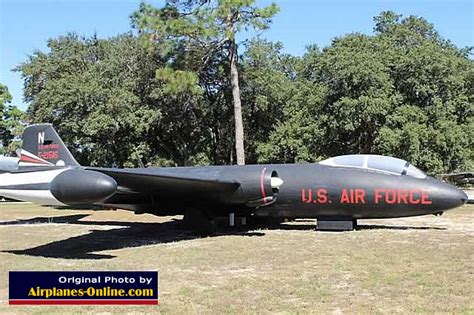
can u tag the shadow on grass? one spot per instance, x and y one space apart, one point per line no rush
128 234
135 234
297 225
307 227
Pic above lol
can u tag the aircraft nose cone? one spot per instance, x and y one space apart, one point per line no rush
447 196
457 197
464 196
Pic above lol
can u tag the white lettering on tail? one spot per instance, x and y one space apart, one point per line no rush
40 137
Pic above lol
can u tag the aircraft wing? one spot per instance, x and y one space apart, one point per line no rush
170 181
170 188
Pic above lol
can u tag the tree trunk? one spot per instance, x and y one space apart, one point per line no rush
239 126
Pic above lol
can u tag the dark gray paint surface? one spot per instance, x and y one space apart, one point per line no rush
232 187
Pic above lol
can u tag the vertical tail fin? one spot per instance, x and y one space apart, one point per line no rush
42 146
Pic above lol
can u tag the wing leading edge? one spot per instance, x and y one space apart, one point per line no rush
206 182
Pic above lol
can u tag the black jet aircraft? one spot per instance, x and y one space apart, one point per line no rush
336 191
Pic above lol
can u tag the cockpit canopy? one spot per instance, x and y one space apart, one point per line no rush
380 163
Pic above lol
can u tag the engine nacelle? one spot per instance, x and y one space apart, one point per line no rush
79 187
259 189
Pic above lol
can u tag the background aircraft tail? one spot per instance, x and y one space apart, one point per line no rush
42 147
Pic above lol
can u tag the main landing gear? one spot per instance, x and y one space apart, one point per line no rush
199 221
204 222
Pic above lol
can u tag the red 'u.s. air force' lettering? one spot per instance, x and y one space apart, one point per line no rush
320 196
306 195
401 196
354 196
362 196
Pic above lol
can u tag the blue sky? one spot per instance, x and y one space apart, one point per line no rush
25 25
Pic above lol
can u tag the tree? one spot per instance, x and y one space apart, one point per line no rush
204 28
107 103
433 127
267 85
404 91
11 126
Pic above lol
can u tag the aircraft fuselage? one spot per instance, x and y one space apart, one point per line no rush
308 191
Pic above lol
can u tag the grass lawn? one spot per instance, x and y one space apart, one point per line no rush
410 265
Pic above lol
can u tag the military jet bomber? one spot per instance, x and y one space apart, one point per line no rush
337 191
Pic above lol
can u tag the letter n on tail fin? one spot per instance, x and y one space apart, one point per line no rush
42 146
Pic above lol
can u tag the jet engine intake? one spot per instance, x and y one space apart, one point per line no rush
264 191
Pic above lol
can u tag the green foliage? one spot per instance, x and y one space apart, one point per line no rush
404 92
11 126
265 89
200 23
105 100
433 129
194 33
5 96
